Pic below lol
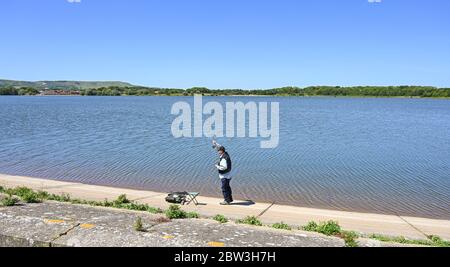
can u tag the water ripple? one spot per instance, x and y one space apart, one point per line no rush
376 155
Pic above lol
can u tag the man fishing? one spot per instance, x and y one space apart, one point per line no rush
225 175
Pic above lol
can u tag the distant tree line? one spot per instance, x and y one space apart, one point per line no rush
372 91
19 91
386 91
377 91
131 91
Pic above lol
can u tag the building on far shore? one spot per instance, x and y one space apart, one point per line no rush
59 92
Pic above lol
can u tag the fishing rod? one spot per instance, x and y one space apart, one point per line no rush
215 145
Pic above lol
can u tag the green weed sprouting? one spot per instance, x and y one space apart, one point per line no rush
251 220
220 218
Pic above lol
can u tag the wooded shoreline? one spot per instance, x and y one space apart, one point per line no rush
356 91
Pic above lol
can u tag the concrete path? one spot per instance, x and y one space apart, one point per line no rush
367 223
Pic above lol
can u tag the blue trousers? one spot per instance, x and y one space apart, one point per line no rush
226 190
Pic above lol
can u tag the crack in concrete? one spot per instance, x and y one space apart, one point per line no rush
150 229
64 233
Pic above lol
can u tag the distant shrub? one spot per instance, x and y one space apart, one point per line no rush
220 218
281 226
2 189
251 220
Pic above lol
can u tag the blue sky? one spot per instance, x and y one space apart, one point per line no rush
227 43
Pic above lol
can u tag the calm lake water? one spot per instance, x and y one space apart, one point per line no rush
361 154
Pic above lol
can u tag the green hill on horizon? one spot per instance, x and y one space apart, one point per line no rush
63 85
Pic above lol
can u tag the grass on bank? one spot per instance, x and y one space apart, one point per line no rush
122 202
327 228
250 220
30 196
175 212
332 228
9 201
349 238
220 218
281 225
25 193
432 240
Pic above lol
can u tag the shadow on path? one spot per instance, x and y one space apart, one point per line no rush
243 203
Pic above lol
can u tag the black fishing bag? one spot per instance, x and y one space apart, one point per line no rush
176 197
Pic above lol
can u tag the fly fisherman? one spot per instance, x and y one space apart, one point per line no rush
224 168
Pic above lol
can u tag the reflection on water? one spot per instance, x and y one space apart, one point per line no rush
377 155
